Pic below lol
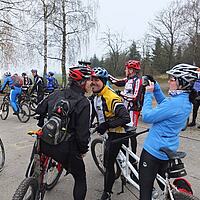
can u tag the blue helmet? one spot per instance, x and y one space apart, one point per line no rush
101 73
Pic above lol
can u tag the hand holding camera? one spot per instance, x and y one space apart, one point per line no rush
148 82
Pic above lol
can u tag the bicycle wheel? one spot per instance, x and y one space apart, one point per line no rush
24 114
53 174
183 196
2 155
27 190
33 106
4 110
97 155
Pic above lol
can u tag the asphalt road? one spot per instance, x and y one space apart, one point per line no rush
18 147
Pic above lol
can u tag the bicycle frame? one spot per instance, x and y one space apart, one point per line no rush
126 169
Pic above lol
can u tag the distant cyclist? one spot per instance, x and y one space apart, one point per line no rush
52 82
27 82
15 83
38 86
168 119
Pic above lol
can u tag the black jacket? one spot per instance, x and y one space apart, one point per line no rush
79 120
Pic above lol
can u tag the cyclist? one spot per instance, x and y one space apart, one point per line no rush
38 86
167 120
15 84
70 153
132 95
27 82
112 116
195 101
52 83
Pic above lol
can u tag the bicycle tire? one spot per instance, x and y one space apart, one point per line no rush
24 115
183 196
49 185
98 159
23 188
4 110
2 155
59 169
33 106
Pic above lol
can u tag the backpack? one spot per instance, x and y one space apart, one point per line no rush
55 130
17 81
55 83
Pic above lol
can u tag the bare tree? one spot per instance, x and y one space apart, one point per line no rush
191 17
168 25
115 45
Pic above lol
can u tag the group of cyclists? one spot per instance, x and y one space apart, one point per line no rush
18 84
115 113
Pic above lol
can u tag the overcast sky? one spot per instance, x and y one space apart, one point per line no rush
129 17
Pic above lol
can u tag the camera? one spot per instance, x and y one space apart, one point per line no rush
146 79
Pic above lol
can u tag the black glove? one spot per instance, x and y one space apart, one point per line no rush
102 128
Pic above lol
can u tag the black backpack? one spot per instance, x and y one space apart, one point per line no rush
55 130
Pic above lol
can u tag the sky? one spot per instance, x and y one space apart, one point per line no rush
127 17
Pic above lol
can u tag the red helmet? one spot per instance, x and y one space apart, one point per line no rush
80 72
133 64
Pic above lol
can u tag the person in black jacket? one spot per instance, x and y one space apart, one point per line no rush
70 152
38 86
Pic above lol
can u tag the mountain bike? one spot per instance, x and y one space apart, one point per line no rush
172 191
24 110
2 155
42 174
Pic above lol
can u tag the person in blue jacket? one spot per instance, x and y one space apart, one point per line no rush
15 83
167 119
51 82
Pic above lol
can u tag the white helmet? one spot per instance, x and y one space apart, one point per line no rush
185 74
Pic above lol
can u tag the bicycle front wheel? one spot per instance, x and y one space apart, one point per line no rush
27 190
183 196
4 110
2 155
24 114
97 150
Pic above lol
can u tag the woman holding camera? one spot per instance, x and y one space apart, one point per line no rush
167 120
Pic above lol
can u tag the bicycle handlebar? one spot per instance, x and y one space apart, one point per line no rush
129 136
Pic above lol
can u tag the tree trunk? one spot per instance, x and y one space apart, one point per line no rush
63 61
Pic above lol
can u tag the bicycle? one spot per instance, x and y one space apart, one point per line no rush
42 173
171 191
24 110
2 155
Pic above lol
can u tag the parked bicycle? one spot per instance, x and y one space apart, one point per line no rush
24 110
2 155
42 174
172 191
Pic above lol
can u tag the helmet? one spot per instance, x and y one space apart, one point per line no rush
133 64
80 72
7 74
24 74
51 73
185 74
34 70
101 73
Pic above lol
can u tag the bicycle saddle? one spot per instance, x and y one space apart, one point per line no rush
173 154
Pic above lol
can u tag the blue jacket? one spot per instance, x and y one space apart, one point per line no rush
7 81
167 119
